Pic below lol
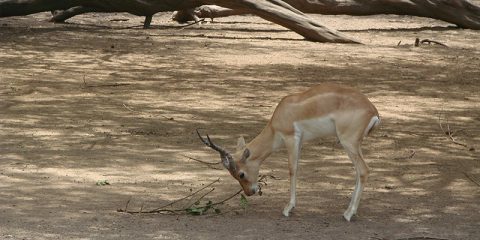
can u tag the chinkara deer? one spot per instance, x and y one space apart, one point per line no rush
323 110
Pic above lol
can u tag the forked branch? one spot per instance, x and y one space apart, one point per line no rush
197 196
450 132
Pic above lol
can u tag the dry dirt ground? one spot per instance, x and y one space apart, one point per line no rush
102 99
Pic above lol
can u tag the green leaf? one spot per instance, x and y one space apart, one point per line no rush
199 208
195 211
243 201
102 183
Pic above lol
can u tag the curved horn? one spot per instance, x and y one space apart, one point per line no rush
224 155
212 145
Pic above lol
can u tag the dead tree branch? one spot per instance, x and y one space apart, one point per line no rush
188 196
166 208
427 41
208 164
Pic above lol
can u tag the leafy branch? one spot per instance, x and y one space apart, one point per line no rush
197 208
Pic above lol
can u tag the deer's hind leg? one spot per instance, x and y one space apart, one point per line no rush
351 144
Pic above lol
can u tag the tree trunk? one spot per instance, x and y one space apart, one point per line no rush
147 22
285 15
60 16
459 12
273 10
136 7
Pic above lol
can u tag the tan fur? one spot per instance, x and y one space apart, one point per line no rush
342 111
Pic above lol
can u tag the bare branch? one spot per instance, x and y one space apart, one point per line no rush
428 41
164 208
209 164
474 180
449 132
190 195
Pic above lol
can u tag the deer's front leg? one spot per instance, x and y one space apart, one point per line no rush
293 145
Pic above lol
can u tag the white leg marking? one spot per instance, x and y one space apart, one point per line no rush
361 169
293 145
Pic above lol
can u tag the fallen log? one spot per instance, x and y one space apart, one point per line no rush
462 13
272 10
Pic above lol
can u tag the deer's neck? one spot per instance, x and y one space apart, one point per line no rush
264 144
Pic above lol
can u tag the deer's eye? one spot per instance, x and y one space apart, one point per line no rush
241 175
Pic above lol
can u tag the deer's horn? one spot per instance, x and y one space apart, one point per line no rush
212 145
224 155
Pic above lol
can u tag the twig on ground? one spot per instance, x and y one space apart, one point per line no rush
190 24
474 180
199 199
410 156
191 208
190 195
461 130
428 41
164 208
209 164
107 85
126 205
134 26
128 108
228 198
132 110
450 132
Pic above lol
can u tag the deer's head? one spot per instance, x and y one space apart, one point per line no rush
238 164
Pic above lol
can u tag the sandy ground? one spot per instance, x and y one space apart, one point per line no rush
98 100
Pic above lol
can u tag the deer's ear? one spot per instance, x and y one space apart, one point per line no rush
246 154
240 143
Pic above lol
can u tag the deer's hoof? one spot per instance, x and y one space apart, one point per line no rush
348 215
288 209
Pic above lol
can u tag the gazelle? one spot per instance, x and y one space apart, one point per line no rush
323 110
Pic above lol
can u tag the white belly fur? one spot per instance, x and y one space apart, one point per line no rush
315 128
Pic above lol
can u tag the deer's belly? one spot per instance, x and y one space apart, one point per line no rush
315 128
